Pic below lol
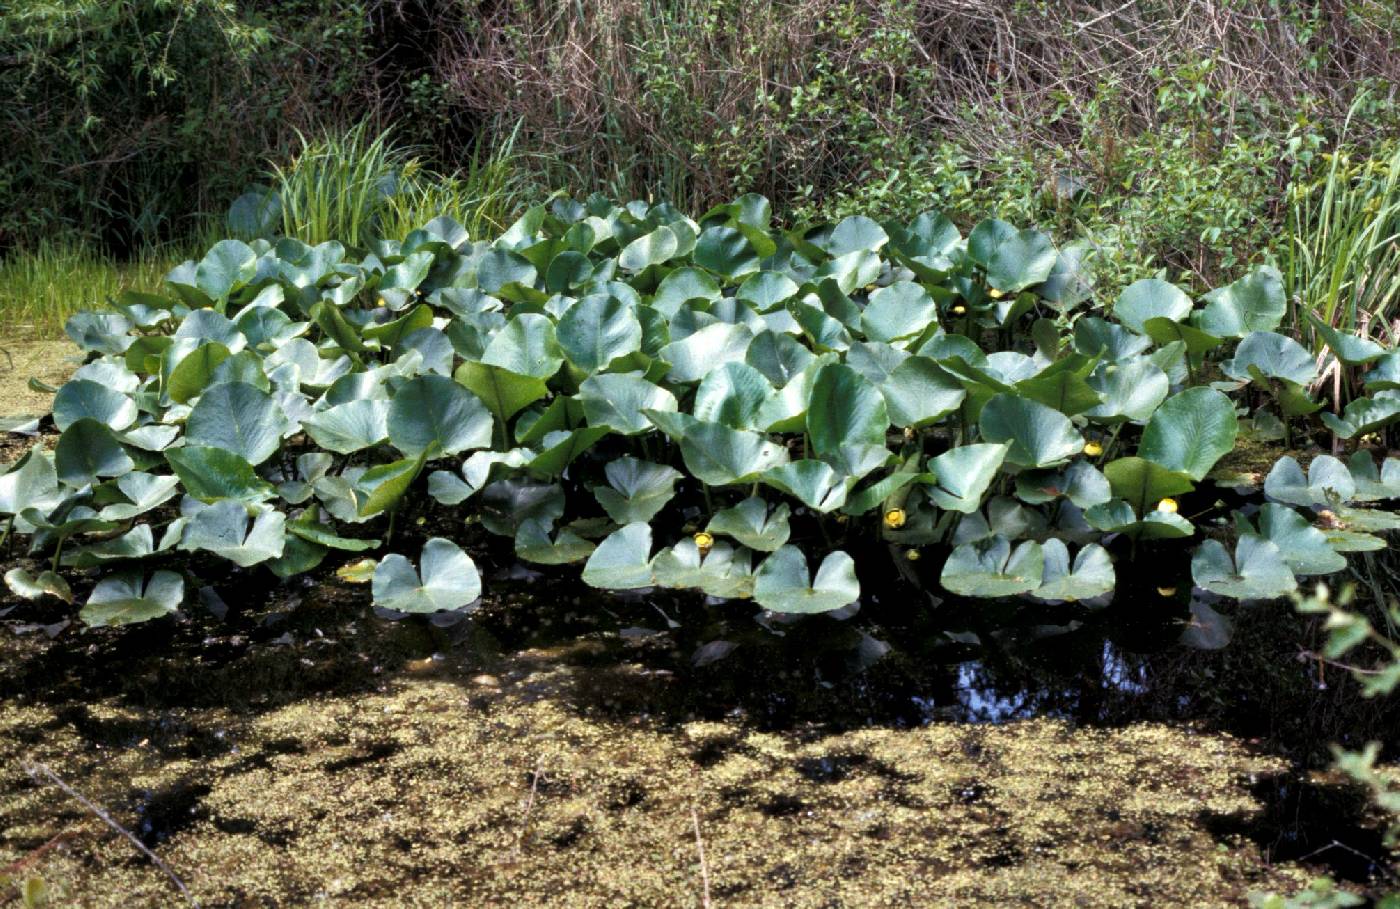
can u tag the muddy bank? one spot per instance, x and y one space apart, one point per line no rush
557 750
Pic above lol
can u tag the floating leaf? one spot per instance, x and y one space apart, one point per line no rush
47 583
991 569
1257 572
1328 482
1090 576
636 490
721 571
448 580
623 560
782 583
128 597
753 523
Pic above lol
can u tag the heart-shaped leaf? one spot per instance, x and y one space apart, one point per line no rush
436 416
47 583
636 489
1328 482
223 529
1304 548
1037 436
1257 572
721 571
846 420
623 560
782 583
963 474
1091 575
1191 431
813 483
1014 259
597 330
1255 302
621 401
240 418
754 524
128 597
533 544
1151 298
446 580
992 569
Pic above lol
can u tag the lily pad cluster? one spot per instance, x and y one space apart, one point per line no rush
715 404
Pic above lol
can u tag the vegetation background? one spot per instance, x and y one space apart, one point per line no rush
1175 135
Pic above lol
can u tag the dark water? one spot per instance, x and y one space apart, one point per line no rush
901 660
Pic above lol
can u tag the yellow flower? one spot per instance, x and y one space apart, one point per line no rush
1093 449
1167 505
994 294
1166 591
703 541
380 302
912 555
959 310
894 518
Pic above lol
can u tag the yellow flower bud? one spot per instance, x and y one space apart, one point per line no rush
912 555
1093 449
1167 505
894 518
703 541
380 302
959 310
995 294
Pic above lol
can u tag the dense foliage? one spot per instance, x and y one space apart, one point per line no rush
709 404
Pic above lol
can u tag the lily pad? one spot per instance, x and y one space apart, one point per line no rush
448 580
782 583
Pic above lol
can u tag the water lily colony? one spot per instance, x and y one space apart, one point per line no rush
710 404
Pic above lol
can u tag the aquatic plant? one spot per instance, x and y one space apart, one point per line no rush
711 403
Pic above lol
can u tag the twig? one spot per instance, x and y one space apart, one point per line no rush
704 866
529 805
36 769
34 855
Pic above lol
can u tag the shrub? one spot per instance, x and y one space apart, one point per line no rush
694 403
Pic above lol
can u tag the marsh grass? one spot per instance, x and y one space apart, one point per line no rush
42 287
358 185
1343 264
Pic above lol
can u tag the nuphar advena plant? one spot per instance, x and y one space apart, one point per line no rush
710 403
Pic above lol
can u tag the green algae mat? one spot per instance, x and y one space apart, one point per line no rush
553 757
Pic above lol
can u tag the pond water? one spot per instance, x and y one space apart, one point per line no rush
166 721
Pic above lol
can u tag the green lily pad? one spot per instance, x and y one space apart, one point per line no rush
637 490
992 569
1037 436
623 560
448 580
754 524
1190 432
782 583
128 597
1091 574
1257 571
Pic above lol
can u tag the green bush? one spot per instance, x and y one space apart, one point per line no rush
711 404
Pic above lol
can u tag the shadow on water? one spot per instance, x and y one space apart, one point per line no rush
668 659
